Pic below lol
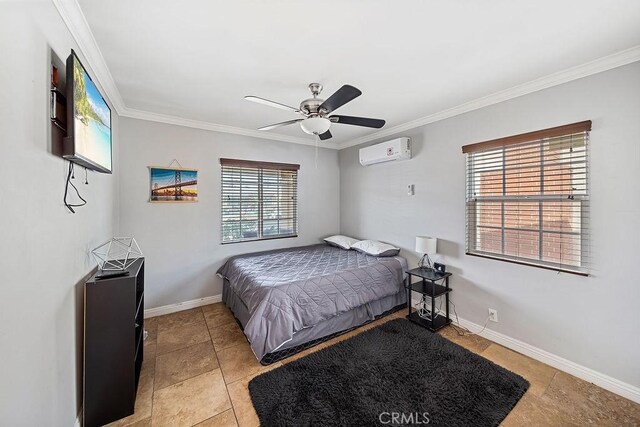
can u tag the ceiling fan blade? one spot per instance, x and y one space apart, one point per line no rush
277 125
326 135
358 121
271 103
343 95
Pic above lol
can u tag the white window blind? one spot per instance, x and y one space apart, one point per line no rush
528 198
259 200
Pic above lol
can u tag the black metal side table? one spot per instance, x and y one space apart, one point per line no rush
428 286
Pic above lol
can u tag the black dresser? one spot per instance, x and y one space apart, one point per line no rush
113 347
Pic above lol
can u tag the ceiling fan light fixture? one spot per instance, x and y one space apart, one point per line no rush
317 111
315 125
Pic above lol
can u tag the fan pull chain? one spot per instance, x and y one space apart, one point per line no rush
316 155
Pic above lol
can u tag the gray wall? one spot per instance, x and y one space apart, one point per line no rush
592 321
44 250
181 242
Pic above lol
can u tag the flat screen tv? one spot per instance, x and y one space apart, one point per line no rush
88 141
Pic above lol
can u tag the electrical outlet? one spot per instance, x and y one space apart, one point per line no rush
493 314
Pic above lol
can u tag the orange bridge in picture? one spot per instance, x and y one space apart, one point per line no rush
173 185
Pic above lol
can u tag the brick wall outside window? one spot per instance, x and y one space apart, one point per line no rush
527 202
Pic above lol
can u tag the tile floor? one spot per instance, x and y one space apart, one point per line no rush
198 364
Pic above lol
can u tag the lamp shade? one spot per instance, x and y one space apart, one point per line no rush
426 245
315 125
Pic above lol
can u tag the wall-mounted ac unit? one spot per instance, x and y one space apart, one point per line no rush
396 149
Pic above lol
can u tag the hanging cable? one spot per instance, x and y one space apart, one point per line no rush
70 176
461 330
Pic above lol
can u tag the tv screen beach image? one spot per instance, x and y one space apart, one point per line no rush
173 185
92 120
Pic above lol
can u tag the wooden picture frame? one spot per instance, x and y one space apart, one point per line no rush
172 185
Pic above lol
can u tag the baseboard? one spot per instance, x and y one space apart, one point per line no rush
614 385
609 383
173 308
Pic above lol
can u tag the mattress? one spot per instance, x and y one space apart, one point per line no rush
284 292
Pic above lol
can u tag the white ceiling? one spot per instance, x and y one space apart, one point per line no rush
197 59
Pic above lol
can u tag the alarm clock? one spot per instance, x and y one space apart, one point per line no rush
440 268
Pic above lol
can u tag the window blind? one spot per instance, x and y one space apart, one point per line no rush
259 200
527 198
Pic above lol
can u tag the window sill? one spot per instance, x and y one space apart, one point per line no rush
259 239
530 264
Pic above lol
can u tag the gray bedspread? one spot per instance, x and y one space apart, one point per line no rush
288 290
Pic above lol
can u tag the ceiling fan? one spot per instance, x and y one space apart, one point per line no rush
317 112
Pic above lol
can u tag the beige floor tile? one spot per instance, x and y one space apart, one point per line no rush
531 411
151 323
185 363
181 318
217 314
151 326
176 355
142 423
226 336
241 399
191 401
586 403
242 405
142 409
400 314
216 306
238 362
537 373
181 337
152 337
149 360
474 343
225 419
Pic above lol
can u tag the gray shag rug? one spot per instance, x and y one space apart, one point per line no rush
395 374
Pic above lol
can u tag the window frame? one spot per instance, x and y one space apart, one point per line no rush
474 203
260 168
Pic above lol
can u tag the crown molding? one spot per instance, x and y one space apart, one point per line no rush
605 63
77 24
197 124
75 20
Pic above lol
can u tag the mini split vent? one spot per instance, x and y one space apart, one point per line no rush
396 149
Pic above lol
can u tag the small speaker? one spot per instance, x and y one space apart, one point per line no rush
440 268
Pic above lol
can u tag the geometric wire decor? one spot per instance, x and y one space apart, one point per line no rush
117 254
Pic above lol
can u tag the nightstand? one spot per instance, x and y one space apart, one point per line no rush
432 285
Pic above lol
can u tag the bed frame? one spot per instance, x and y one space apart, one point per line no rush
276 356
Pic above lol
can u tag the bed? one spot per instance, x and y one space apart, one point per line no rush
288 299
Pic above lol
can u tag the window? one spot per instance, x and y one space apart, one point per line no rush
259 200
527 198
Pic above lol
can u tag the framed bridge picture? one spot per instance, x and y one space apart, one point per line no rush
173 185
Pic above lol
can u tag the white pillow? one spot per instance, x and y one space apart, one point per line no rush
341 241
375 248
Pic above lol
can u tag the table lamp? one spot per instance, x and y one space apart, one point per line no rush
426 246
